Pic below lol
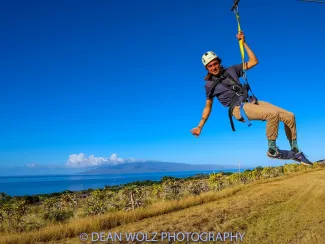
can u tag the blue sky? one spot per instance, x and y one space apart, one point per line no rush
124 79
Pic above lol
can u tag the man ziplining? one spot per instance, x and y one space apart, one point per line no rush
224 84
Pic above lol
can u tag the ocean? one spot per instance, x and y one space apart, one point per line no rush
32 185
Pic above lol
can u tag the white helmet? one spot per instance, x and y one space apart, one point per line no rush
208 57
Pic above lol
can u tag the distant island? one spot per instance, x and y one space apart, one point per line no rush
152 167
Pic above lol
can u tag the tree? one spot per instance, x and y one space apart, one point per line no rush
195 187
4 197
56 210
246 176
157 191
133 197
216 181
100 201
172 188
14 212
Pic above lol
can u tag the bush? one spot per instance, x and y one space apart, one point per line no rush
14 214
58 215
57 209
100 202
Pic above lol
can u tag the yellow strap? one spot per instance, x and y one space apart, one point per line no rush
241 46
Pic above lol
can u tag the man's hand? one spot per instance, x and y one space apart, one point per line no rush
241 36
252 60
196 131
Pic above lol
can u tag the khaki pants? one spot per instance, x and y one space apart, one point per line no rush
273 115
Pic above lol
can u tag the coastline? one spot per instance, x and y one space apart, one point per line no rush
58 184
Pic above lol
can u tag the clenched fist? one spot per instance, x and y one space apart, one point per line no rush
196 131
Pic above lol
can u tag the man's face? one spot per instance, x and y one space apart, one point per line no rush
213 67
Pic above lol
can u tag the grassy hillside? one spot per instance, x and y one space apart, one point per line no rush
287 209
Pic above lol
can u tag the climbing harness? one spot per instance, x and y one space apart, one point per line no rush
240 94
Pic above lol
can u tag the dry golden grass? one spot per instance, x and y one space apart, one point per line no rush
279 210
108 221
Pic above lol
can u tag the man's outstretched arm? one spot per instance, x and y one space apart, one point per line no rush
205 115
206 112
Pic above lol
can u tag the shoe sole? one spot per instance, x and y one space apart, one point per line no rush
302 162
280 158
290 159
306 164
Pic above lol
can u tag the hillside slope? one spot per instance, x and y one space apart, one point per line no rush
290 210
287 211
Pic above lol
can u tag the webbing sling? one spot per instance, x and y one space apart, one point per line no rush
243 113
241 46
246 86
215 83
240 90
234 8
223 76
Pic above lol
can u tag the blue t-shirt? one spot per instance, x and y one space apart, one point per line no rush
223 93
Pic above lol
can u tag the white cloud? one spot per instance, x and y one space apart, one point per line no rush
81 160
114 158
